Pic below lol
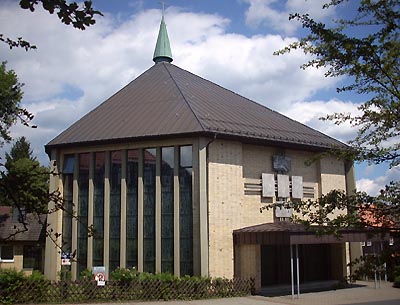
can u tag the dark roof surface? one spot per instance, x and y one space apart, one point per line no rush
11 229
279 226
169 101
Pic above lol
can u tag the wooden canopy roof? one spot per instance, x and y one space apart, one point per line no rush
287 233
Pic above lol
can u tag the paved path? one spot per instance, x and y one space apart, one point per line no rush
364 295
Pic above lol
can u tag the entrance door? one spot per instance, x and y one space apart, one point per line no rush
314 261
275 265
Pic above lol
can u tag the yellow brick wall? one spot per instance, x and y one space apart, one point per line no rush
230 163
225 204
332 175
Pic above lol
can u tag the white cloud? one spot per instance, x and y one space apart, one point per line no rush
275 14
309 113
247 66
373 186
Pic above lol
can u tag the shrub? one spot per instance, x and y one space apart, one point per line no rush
126 284
10 281
396 282
37 276
86 275
39 286
396 270
168 287
124 275
65 273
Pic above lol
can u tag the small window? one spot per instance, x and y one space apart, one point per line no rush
69 161
363 244
369 243
391 241
7 254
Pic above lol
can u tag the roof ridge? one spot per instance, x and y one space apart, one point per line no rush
184 97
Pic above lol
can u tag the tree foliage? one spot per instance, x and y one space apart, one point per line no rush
371 61
379 214
24 184
10 103
78 15
68 13
21 149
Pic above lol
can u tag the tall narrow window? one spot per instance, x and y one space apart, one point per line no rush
98 209
115 209
186 213
83 184
68 171
167 209
132 209
149 204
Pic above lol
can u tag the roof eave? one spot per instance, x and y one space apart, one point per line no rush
49 146
212 134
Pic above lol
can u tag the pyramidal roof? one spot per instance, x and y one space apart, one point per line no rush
167 101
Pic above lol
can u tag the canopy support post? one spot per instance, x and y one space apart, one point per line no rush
291 270
298 271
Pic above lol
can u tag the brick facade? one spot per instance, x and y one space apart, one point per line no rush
230 165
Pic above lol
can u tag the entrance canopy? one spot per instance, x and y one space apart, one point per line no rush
287 233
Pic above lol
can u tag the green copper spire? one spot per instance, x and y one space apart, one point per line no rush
163 49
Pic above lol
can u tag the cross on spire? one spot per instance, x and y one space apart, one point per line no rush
162 51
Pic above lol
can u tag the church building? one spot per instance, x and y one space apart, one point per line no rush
172 172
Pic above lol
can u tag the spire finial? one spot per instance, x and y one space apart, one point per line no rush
162 51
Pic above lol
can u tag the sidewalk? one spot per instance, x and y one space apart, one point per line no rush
365 294
357 295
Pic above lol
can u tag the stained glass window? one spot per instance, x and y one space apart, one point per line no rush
149 184
132 209
115 209
167 210
67 202
83 184
98 209
186 213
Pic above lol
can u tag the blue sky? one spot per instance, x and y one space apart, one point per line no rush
229 42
